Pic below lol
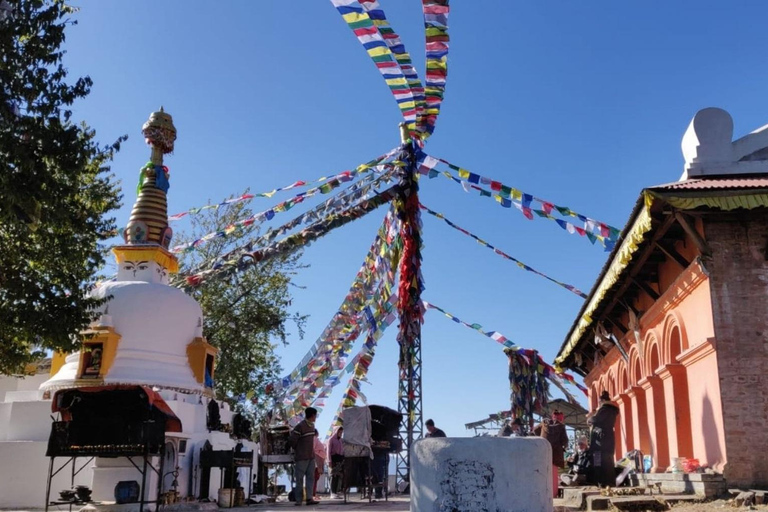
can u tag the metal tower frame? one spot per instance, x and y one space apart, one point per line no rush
409 402
409 405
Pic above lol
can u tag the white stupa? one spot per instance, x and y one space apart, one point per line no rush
148 330
147 333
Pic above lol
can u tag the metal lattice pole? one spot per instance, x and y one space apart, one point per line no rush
409 402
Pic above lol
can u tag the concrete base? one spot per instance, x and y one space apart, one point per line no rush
481 474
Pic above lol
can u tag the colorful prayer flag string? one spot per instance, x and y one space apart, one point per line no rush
345 319
373 42
500 338
508 197
365 308
284 206
501 253
332 346
300 183
436 36
402 57
361 363
293 242
590 224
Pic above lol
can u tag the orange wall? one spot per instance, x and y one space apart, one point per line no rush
685 308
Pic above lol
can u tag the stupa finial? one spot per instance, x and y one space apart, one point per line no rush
160 134
149 218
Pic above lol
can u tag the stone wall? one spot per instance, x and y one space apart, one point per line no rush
739 287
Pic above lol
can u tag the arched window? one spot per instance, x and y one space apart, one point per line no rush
655 360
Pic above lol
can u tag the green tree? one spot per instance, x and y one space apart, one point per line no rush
246 315
55 188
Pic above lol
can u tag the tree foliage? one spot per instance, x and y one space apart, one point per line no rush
55 188
246 315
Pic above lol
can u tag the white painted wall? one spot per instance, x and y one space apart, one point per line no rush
24 472
29 421
11 384
481 474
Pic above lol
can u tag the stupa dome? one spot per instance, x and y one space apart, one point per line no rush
156 323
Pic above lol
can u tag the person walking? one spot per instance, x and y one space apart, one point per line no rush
433 431
336 458
602 441
553 430
320 453
302 439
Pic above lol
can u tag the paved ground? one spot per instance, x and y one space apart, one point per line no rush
354 504
398 503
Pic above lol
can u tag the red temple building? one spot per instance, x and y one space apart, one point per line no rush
676 326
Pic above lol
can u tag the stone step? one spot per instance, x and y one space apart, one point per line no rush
576 497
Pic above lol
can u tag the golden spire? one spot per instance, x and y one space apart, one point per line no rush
147 235
149 218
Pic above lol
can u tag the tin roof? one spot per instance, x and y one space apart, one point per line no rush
723 183
722 193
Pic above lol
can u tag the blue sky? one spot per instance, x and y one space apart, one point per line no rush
580 103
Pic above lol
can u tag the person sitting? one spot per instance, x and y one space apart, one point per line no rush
512 428
579 464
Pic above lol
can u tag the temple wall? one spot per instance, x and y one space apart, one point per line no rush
739 283
668 391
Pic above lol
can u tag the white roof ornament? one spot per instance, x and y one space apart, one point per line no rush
709 149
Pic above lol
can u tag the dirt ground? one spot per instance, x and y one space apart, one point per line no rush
712 506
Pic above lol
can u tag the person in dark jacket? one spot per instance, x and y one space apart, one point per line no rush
602 441
433 431
303 441
553 430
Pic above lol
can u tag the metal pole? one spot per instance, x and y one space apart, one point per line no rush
160 478
48 484
409 389
143 481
